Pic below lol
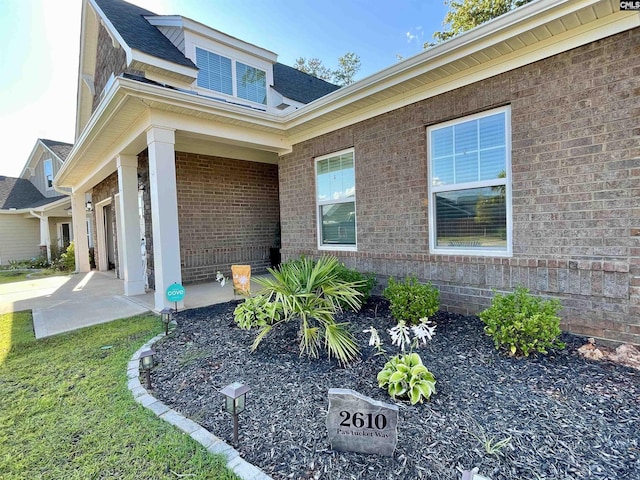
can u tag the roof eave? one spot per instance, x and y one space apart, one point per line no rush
124 89
492 33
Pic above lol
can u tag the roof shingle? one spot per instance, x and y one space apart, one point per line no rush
139 34
61 149
299 86
19 193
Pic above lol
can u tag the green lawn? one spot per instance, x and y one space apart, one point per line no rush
67 413
10 276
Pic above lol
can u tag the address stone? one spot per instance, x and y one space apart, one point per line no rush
357 423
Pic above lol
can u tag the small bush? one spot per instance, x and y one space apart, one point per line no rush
310 292
365 281
406 376
67 260
410 301
257 312
36 262
522 323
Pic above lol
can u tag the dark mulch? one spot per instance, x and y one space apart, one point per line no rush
568 418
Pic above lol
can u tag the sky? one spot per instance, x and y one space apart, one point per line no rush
40 44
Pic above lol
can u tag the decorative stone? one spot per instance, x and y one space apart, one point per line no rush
357 423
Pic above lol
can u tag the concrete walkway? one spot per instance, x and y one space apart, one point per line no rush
66 303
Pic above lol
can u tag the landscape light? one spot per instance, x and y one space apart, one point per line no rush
166 314
235 400
146 364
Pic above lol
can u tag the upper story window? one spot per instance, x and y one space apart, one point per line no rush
218 73
336 201
48 174
470 184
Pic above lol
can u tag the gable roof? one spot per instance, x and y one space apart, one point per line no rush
61 149
139 34
299 86
20 194
130 22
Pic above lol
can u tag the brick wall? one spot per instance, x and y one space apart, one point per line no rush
108 60
228 214
575 173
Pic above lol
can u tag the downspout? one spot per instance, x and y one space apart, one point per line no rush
45 239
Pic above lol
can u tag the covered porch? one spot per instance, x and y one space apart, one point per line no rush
181 186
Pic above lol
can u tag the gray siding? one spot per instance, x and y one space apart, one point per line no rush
175 35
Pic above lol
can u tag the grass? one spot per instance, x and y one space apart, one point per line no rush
11 276
67 412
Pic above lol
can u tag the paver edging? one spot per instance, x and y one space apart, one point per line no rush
204 437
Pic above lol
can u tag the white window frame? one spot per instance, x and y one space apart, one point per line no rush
319 204
433 189
234 77
44 169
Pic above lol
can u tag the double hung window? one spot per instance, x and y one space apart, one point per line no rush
231 77
469 184
336 200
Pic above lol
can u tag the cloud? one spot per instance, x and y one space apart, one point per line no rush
415 34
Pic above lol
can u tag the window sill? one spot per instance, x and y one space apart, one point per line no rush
338 248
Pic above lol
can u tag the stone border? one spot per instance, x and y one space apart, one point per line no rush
208 440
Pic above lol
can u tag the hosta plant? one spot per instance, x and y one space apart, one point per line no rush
404 375
311 293
257 312
522 324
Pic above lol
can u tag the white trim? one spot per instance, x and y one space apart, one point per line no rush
431 190
319 204
118 212
234 97
102 259
60 233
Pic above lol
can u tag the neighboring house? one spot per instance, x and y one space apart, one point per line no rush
506 156
33 215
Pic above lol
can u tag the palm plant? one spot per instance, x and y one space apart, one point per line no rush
312 292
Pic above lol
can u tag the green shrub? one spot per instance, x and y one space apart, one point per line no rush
406 376
366 281
67 260
311 292
523 324
36 262
257 312
410 301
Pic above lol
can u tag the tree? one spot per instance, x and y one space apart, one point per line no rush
464 15
348 66
315 67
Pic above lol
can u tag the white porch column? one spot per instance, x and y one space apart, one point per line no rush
45 237
129 235
80 240
164 212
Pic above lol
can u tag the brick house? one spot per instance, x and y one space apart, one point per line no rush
34 217
507 156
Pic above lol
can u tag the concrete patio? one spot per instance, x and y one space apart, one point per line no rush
66 303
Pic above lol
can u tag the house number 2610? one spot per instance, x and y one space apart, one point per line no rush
359 419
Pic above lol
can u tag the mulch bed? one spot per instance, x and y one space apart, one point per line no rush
567 417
